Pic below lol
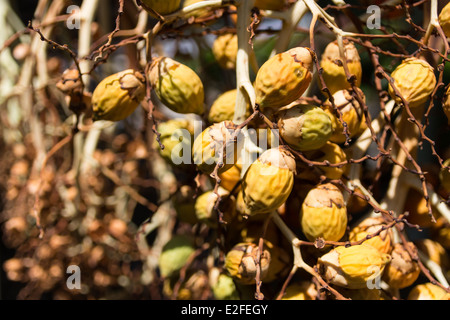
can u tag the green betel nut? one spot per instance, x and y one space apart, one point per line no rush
305 127
176 135
175 255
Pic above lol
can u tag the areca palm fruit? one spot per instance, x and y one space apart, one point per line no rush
352 267
268 181
444 175
214 145
230 178
118 95
434 251
223 286
222 108
171 131
444 20
414 80
300 291
198 12
323 213
428 291
177 86
334 154
240 262
417 207
304 127
283 78
204 207
402 271
162 7
224 49
175 255
333 73
383 242
352 114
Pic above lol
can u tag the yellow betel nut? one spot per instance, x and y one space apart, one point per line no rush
304 127
268 181
323 213
414 80
177 86
118 95
224 49
446 104
428 291
204 207
240 262
334 154
283 78
223 107
270 4
369 226
444 175
333 73
230 178
300 291
402 271
352 267
161 7
351 111
215 145
444 20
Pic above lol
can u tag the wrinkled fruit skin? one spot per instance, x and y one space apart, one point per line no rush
444 20
351 267
268 181
175 254
174 148
352 115
333 73
428 291
402 271
225 49
223 107
162 7
323 213
304 127
368 226
177 86
240 262
444 175
415 80
118 95
283 78
208 147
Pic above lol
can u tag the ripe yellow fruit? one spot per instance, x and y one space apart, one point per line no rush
176 135
162 7
352 114
215 145
334 73
224 49
332 153
283 78
223 286
270 4
383 242
352 267
204 207
223 107
323 213
230 178
118 95
444 20
304 127
300 291
175 255
240 262
268 181
415 80
428 291
402 271
177 86
444 176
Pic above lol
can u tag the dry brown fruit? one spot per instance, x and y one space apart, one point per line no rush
216 145
240 262
222 108
333 73
323 213
118 95
283 78
444 20
428 291
402 271
161 7
304 127
414 80
369 226
352 267
268 181
177 86
351 111
224 49
300 291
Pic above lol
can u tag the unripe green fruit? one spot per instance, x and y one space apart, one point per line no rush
175 255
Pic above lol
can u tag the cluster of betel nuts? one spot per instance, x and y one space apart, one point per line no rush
317 131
